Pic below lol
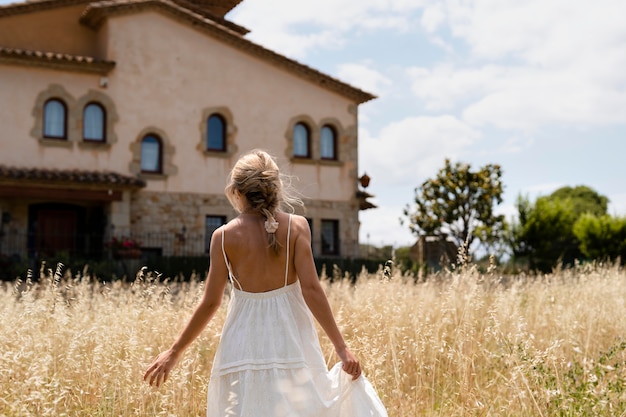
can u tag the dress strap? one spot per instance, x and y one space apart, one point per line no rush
230 271
287 261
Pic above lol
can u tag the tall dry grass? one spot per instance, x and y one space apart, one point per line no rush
457 344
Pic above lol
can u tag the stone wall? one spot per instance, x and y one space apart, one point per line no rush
182 217
346 212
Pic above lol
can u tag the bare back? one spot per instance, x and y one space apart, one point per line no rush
256 267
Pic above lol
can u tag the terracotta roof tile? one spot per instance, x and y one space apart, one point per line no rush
207 9
19 7
56 59
41 175
97 11
216 8
198 16
213 10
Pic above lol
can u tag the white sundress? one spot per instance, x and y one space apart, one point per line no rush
269 362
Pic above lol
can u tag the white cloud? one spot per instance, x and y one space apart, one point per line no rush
280 24
381 226
544 32
530 63
364 77
414 147
296 45
518 97
444 86
525 98
432 17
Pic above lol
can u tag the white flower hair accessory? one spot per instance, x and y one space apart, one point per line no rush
271 226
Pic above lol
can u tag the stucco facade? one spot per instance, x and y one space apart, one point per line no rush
156 71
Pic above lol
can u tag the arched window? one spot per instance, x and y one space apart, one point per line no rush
301 141
216 133
55 119
151 154
328 143
94 122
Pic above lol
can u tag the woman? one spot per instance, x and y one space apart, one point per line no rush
269 362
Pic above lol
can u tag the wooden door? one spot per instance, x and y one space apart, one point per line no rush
56 231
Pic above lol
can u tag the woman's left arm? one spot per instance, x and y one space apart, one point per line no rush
160 368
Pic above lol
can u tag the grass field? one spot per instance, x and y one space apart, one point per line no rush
459 343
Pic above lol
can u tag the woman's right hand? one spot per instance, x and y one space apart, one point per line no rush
160 368
350 364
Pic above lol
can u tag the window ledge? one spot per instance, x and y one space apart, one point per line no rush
301 160
63 143
94 145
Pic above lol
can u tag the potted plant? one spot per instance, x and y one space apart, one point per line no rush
124 248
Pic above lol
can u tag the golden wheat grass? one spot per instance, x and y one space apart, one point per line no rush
455 344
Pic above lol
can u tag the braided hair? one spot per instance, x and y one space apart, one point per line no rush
257 177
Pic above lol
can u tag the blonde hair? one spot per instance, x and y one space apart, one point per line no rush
256 177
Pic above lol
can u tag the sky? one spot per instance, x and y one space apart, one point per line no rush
536 86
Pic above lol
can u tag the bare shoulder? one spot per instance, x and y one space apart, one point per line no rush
230 225
300 230
216 241
299 223
229 232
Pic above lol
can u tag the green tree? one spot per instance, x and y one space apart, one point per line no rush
544 234
583 200
403 260
460 203
601 237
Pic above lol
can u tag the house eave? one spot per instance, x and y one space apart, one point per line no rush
55 60
96 13
69 178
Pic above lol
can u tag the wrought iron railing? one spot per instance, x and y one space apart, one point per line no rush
171 255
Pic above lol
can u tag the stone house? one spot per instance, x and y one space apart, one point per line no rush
123 119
